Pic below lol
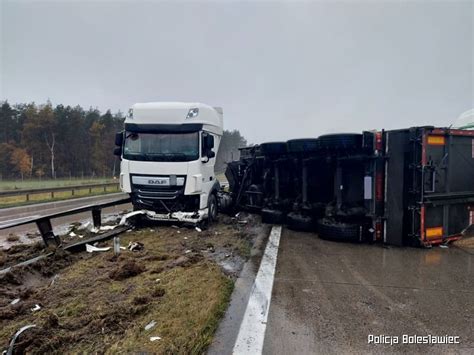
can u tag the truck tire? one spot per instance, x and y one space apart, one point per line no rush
345 141
273 148
273 216
212 208
307 145
300 222
338 231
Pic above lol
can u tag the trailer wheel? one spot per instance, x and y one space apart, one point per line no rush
273 216
338 231
307 145
212 208
300 222
345 141
273 148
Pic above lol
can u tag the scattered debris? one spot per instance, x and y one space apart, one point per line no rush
72 234
185 238
135 246
198 229
150 325
91 248
17 334
443 246
54 280
188 251
175 226
37 307
155 338
107 228
128 215
15 301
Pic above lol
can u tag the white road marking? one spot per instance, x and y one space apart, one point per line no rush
252 329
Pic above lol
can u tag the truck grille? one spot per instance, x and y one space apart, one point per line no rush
163 199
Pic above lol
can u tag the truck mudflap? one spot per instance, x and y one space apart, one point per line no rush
185 217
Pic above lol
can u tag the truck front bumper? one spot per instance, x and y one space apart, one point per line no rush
186 217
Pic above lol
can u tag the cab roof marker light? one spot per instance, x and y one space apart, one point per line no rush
193 112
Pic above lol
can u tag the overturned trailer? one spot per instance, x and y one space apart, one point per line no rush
403 187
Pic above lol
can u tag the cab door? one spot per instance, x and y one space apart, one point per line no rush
208 160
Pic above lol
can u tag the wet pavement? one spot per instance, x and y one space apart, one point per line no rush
329 297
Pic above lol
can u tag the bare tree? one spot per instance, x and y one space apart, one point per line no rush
51 150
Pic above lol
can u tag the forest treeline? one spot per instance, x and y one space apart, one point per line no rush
46 141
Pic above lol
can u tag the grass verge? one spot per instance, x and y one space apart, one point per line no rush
102 303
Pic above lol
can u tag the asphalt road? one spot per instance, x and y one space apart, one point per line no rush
23 213
328 297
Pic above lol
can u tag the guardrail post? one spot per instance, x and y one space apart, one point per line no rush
97 217
46 230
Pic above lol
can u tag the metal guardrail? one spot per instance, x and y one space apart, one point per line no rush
52 190
44 222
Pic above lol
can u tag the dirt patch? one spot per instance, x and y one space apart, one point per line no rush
127 269
98 301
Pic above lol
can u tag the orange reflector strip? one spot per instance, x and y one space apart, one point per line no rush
436 140
434 232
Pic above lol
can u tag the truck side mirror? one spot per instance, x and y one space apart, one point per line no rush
210 142
118 139
207 145
118 151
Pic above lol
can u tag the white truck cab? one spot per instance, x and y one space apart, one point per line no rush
168 152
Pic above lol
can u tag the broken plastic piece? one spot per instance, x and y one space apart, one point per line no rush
91 248
150 325
188 251
199 229
135 246
131 214
17 334
72 234
107 228
155 338
37 307
15 301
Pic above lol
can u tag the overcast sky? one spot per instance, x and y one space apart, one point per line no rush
280 70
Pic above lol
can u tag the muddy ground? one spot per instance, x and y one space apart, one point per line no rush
165 298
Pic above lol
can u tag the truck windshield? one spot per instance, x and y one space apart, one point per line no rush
161 146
